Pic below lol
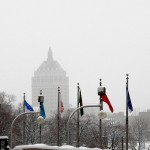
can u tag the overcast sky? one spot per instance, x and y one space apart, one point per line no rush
91 39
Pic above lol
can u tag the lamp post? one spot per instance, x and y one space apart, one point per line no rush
127 113
40 100
24 120
78 89
122 142
32 112
101 91
73 114
58 139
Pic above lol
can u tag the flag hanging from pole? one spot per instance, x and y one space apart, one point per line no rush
28 107
81 104
129 103
42 111
61 107
106 100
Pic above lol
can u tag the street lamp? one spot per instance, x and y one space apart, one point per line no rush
40 98
68 123
102 115
40 118
11 128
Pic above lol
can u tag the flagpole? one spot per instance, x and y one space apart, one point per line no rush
127 112
24 119
78 88
40 114
100 121
58 115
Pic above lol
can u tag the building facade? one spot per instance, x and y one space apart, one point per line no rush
48 77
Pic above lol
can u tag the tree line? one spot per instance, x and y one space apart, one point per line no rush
113 131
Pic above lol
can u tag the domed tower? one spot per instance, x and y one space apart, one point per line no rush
50 55
48 77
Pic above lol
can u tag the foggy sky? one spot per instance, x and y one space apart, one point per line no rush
90 39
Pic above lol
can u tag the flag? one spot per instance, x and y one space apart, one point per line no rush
42 111
129 103
61 107
81 104
106 100
28 106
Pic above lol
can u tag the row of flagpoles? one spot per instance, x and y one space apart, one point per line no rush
103 98
28 107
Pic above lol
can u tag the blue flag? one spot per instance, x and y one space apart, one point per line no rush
129 101
27 106
42 111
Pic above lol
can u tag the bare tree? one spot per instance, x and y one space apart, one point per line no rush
31 128
138 128
89 131
6 113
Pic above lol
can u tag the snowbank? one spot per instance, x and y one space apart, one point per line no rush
43 146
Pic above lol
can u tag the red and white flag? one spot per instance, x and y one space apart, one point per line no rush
106 100
61 107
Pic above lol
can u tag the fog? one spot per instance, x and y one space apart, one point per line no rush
90 39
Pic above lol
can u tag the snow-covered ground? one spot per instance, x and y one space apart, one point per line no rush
146 147
43 146
66 147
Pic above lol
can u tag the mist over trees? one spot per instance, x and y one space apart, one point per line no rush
114 132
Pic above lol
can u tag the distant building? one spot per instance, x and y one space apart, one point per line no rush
92 111
48 77
116 117
145 116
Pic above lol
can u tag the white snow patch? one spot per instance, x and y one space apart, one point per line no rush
3 137
64 147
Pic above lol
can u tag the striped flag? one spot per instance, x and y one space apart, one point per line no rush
61 107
